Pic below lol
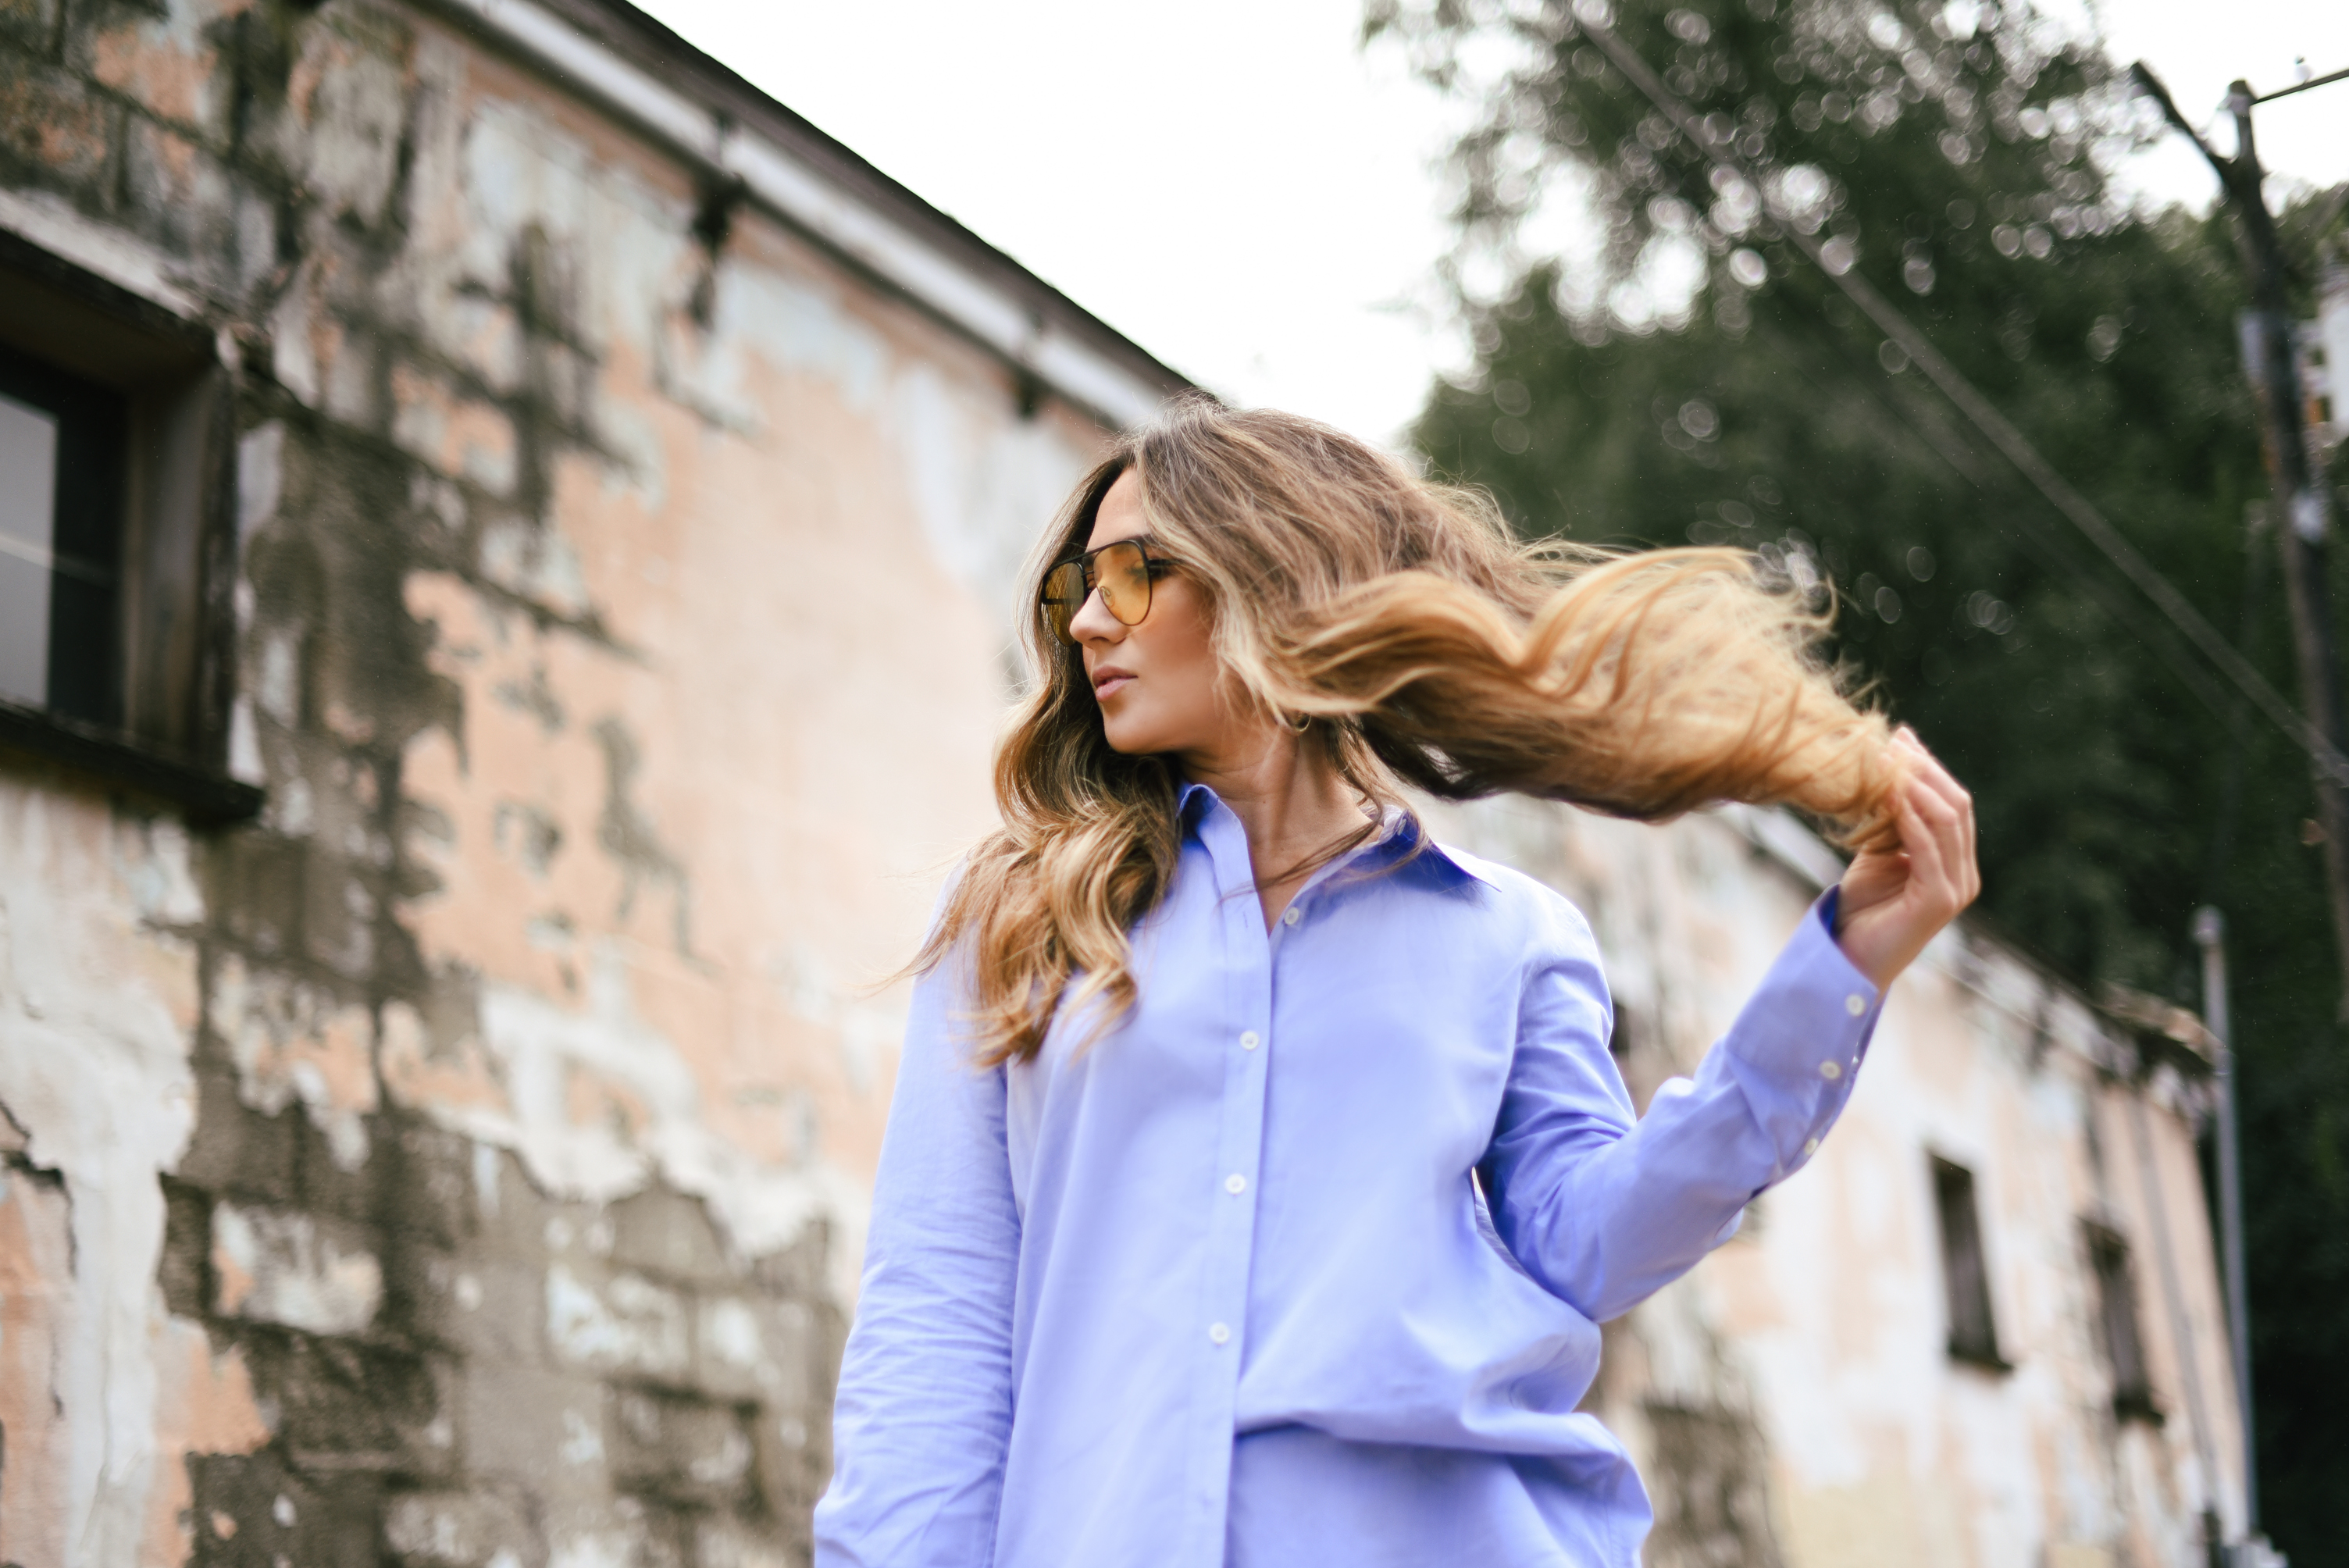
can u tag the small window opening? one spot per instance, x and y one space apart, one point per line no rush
118 536
2117 1326
61 462
1965 1274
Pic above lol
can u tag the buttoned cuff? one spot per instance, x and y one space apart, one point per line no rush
1796 1048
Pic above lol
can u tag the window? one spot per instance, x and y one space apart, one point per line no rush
2117 1325
116 535
1965 1275
60 472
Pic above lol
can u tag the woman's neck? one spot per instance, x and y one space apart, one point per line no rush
1293 804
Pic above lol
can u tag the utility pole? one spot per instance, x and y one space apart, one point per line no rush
2210 936
2271 363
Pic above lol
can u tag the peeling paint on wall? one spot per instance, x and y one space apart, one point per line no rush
99 992
466 1163
468 1160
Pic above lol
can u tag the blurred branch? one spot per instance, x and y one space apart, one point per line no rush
2152 87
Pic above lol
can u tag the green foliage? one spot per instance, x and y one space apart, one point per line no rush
1956 157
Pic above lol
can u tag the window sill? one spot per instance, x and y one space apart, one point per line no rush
1980 1358
207 799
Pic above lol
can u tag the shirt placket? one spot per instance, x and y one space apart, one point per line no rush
1247 1044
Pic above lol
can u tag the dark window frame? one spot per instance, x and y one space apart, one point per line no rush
152 714
2119 1328
1965 1269
85 544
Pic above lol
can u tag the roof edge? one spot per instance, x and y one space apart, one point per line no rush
733 134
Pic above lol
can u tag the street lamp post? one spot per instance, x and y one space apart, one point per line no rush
2210 935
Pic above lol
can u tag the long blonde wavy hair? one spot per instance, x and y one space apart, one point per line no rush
1430 648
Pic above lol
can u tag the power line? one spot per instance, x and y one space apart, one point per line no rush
1985 416
2043 545
2326 79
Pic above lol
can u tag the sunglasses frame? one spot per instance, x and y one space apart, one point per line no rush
1083 561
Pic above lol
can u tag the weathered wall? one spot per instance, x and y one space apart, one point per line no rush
465 1165
1793 1401
466 1162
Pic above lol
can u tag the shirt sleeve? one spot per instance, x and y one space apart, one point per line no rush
923 1415
1604 1211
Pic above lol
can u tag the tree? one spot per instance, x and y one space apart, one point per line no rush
1690 376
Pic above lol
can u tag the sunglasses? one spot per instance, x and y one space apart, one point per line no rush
1123 573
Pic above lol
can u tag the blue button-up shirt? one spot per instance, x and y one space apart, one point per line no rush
1301 1261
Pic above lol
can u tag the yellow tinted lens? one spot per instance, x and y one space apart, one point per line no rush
1123 571
1064 589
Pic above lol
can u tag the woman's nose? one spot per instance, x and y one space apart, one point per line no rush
1093 622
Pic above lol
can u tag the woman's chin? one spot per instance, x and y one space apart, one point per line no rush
1129 739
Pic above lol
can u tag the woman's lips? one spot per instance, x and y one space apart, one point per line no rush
1107 682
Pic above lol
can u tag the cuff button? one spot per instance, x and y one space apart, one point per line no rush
1855 1004
1810 1146
1831 1070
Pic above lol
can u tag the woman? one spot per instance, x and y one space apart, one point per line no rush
1257 1174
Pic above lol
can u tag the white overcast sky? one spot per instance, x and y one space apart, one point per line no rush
1238 188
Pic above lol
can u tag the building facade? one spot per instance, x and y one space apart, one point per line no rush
506 543
438 1045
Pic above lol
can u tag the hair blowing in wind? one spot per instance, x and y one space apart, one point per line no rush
1430 648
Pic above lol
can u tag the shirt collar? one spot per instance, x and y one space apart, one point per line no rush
1403 832
1191 803
1406 831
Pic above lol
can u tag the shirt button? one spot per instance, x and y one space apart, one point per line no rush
1249 1042
1855 1004
1810 1146
1220 1333
1235 1184
1831 1070
1293 916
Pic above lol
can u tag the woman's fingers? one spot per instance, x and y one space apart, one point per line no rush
1952 822
1933 860
1965 863
1917 840
1929 768
1926 769
1902 897
1962 803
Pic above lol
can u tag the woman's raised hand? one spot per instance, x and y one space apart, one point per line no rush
1895 900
